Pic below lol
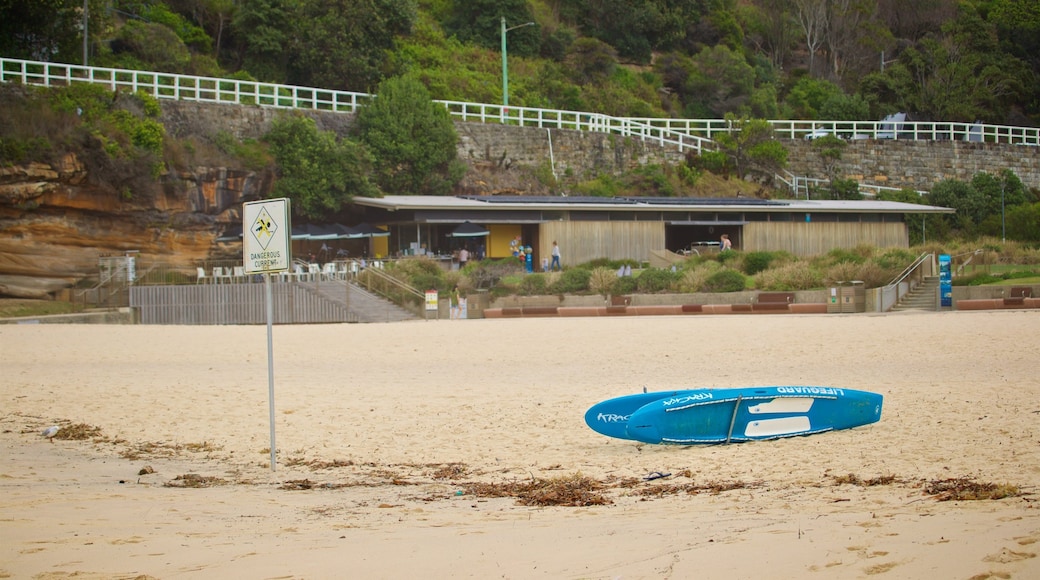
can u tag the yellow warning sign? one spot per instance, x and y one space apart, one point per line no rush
264 228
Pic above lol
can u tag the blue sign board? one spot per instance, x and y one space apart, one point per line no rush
945 281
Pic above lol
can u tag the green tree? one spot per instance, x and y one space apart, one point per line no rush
50 30
918 225
845 107
808 96
627 25
771 28
317 171
343 44
720 81
969 203
1022 222
591 61
958 75
480 22
412 139
144 45
261 38
751 147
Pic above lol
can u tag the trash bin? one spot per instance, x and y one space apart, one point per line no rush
834 299
853 297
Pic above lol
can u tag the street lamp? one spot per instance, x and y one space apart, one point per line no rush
505 65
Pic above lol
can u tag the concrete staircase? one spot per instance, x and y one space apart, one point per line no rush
922 297
362 305
372 308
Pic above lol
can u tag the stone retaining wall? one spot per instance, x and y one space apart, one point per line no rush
575 155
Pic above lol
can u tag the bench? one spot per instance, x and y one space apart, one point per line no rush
773 300
1017 296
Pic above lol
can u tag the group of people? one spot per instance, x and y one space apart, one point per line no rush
526 256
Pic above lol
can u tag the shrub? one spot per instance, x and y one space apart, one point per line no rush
844 271
654 280
534 284
857 255
626 284
724 281
603 281
755 262
573 281
488 273
789 277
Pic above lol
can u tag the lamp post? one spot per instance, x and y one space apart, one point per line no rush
505 65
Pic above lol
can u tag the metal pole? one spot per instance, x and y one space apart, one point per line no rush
505 66
270 362
505 72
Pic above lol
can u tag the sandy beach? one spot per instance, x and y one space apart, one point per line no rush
409 450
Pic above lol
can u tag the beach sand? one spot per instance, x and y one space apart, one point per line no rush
391 438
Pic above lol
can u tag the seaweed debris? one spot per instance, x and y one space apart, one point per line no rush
573 490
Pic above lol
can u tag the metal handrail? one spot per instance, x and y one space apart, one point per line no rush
910 269
387 279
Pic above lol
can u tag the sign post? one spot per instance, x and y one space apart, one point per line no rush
266 248
431 303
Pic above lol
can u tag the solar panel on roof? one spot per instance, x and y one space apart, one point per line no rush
581 199
743 201
587 199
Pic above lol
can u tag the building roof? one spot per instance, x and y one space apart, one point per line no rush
629 204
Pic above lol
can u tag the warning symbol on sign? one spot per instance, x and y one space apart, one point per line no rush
264 228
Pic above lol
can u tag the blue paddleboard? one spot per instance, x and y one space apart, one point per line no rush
610 417
753 413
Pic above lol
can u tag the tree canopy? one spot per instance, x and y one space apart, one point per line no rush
317 171
943 60
412 139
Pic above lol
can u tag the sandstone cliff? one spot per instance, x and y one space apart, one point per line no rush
54 224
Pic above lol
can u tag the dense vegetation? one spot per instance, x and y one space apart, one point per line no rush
948 60
990 261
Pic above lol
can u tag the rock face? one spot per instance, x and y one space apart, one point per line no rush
54 225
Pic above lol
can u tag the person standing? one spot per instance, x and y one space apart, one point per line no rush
463 257
555 257
453 301
724 243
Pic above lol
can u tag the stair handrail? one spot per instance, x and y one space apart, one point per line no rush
890 294
910 269
371 273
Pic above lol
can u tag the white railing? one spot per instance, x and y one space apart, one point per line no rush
802 186
855 130
217 90
181 87
578 121
685 134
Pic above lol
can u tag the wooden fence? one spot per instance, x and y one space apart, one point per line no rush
815 238
203 304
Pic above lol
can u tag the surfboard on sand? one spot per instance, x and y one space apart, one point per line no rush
610 417
754 413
